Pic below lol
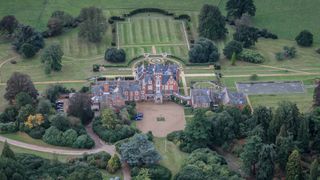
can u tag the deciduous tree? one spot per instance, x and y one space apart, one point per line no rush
305 38
232 47
236 8
203 51
115 55
250 154
211 23
248 36
17 83
293 169
114 164
51 57
8 24
80 106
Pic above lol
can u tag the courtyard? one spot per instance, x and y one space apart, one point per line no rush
161 119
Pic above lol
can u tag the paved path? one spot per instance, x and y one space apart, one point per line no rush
99 146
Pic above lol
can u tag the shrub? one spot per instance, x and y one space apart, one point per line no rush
9 127
69 137
114 164
115 55
280 56
60 121
318 51
37 132
157 172
83 141
251 56
53 136
232 47
175 136
112 135
305 38
203 51
95 67
288 53
254 77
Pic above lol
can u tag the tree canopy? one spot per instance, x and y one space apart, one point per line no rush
211 23
231 48
236 8
17 83
8 24
51 57
203 51
293 169
248 36
305 38
80 106
139 151
115 55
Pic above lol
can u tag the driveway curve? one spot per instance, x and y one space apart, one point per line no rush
99 146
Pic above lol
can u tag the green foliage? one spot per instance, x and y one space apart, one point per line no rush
251 56
286 114
44 106
248 36
53 91
266 162
10 169
37 132
203 51
9 127
64 17
293 168
52 56
9 114
55 26
314 170
109 119
23 99
139 151
235 9
143 175
26 35
83 141
53 136
99 160
8 24
304 134
211 23
24 112
250 154
305 38
197 132
93 24
155 172
17 83
175 136
316 95
69 137
288 53
60 121
231 48
205 164
114 164
80 106
7 152
120 131
261 116
233 59
28 50
115 55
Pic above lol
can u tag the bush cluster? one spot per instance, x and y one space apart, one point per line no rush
288 53
99 160
112 135
156 172
251 56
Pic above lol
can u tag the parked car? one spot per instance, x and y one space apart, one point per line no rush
139 114
138 118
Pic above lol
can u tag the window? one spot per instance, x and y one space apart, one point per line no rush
171 87
158 88
150 87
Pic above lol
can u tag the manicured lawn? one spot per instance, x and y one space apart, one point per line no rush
172 157
62 158
23 137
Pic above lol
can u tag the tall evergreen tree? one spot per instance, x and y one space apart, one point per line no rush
284 146
261 116
316 95
293 169
211 23
314 170
236 8
7 152
303 134
250 154
266 162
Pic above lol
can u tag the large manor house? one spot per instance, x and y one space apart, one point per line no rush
157 82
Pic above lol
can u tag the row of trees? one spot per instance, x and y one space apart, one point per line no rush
39 119
27 166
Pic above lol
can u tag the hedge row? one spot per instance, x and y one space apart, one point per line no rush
251 56
9 127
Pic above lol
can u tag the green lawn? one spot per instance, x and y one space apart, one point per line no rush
172 157
62 158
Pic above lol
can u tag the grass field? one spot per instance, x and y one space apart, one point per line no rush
140 33
172 157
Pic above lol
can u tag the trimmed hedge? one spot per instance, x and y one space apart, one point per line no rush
251 56
149 10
